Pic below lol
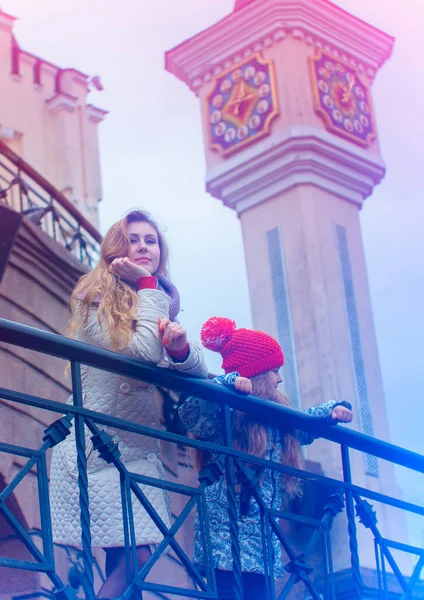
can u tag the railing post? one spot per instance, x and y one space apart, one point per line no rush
232 504
87 556
21 204
351 525
53 213
208 475
80 244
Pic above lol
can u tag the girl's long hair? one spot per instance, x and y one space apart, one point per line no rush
251 437
116 300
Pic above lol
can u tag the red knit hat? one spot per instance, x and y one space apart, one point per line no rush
244 350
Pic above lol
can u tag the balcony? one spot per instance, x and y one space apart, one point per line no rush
26 192
343 516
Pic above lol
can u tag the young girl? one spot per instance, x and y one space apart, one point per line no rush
126 304
251 361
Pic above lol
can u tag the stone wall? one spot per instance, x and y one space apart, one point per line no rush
35 290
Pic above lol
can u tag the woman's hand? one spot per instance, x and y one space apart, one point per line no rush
127 270
172 335
244 385
342 414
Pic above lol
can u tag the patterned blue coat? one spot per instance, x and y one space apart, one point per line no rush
203 421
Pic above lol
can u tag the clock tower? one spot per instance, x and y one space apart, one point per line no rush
291 145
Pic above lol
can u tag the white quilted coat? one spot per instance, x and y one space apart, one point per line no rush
128 399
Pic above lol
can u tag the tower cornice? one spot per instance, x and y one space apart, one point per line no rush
299 155
259 25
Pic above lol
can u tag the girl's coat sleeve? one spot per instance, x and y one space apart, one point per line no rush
144 343
194 364
323 412
201 417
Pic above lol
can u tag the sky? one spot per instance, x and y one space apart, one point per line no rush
152 157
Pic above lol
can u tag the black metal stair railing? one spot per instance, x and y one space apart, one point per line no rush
24 190
342 493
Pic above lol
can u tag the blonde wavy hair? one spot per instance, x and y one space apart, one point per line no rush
117 300
251 437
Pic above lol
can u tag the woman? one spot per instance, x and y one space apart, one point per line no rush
251 361
125 304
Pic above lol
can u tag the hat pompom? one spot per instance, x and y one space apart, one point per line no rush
216 332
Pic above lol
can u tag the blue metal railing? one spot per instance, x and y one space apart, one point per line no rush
341 492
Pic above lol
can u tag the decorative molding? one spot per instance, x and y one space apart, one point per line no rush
61 101
6 21
48 69
76 76
67 78
298 155
262 24
29 59
95 114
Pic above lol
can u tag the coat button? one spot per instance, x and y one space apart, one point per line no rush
125 388
151 457
151 388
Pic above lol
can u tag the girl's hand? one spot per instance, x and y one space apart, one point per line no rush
172 335
243 385
342 414
127 270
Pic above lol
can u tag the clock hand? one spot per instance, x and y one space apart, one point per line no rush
241 95
348 91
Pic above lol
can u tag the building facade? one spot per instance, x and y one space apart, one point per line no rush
46 118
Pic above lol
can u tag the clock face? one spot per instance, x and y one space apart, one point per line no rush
242 104
342 99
